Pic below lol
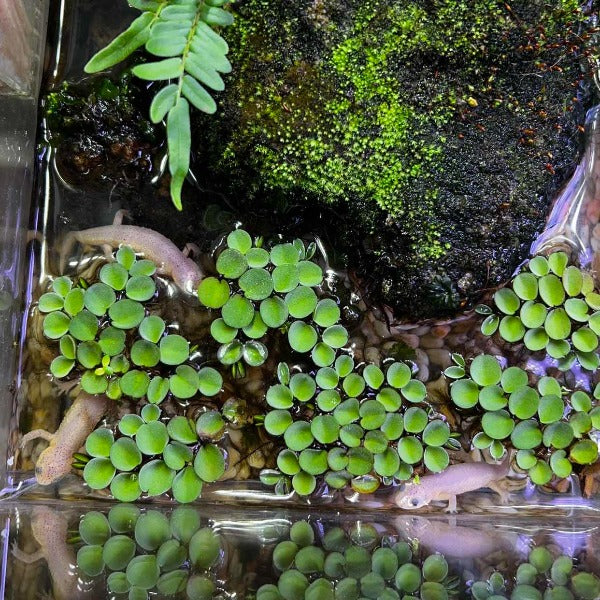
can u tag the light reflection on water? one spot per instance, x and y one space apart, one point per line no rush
57 552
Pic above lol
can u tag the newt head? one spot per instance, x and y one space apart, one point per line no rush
187 276
412 496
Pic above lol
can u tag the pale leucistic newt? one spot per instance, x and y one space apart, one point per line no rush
169 259
450 540
456 479
79 421
49 527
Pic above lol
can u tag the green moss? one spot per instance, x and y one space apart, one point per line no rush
410 121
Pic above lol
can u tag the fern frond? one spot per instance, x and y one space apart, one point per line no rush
181 33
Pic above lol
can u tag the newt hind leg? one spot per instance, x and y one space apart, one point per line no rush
37 434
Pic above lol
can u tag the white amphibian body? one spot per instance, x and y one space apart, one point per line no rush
50 530
456 479
169 259
79 421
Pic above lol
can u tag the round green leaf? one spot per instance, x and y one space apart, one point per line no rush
126 314
301 302
114 275
302 337
98 473
140 288
231 263
174 349
125 487
209 463
151 438
485 370
238 312
156 478
256 284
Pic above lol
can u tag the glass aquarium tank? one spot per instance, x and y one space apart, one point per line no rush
284 283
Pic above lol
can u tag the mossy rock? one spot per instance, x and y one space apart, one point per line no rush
434 132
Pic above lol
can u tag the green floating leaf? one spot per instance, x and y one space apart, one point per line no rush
50 302
557 261
151 438
274 312
145 354
490 325
187 486
125 487
112 341
174 349
507 301
61 366
140 288
285 278
129 424
254 353
238 312
256 284
221 332
209 463
302 337
126 314
98 298
135 383
125 455
210 381
98 473
99 442
301 302
230 354
184 383
83 326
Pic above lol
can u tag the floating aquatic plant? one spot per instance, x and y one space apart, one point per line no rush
352 428
551 428
358 564
107 337
259 290
147 455
543 574
145 552
551 306
184 35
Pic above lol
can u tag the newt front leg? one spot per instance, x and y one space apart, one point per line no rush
79 421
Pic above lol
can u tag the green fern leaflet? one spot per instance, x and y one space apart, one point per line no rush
192 56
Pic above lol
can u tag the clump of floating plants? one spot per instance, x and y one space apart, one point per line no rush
154 457
356 565
108 338
144 553
259 290
352 427
543 574
550 306
551 427
185 35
